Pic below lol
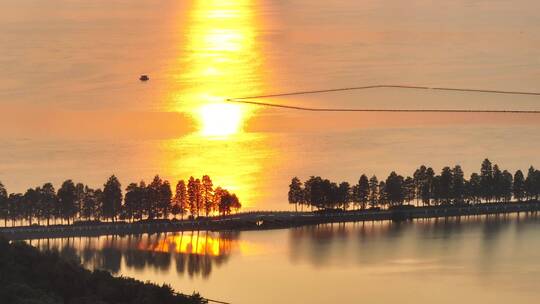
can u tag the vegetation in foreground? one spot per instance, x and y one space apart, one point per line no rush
79 202
425 187
31 277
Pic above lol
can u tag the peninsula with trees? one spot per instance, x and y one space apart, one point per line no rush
78 210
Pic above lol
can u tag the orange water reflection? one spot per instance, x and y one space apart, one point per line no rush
201 243
221 61
220 58
237 164
191 252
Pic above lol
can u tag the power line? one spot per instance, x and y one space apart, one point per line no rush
389 86
207 299
381 110
216 301
245 100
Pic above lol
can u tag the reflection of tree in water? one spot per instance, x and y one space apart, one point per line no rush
370 243
194 253
110 258
197 253
316 241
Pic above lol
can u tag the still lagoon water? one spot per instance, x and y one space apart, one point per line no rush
481 259
73 107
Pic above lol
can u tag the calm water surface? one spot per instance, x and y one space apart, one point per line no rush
72 105
487 259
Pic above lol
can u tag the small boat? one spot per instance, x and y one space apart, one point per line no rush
144 78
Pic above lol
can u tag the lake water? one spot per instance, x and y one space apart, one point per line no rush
481 259
73 107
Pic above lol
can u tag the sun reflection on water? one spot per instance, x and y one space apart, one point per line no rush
237 163
193 243
220 58
222 62
220 120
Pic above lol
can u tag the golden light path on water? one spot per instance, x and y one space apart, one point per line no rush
219 58
222 62
200 243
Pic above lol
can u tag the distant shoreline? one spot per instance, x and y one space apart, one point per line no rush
264 220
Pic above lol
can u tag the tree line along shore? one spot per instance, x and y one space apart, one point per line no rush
425 187
267 220
78 202
156 204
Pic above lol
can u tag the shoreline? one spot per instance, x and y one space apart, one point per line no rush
263 220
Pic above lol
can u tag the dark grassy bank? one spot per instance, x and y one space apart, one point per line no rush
28 276
265 220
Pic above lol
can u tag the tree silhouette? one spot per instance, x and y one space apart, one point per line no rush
409 190
218 194
497 184
486 180
343 195
519 185
207 193
458 184
165 199
373 191
227 202
362 193
133 201
235 202
31 202
423 179
445 185
198 196
475 188
90 204
67 198
506 186
180 199
532 183
79 193
15 201
193 193
48 201
383 194
112 198
419 177
394 189
314 191
296 193
153 197
4 206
